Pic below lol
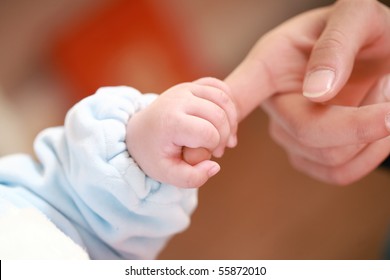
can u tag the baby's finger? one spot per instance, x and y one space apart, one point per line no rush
218 92
195 132
213 82
215 115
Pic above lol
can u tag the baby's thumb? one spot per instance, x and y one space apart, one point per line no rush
197 166
195 176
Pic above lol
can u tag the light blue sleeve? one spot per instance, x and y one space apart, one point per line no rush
86 182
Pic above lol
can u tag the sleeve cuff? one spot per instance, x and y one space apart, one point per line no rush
119 202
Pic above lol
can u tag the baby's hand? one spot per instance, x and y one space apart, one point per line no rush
200 116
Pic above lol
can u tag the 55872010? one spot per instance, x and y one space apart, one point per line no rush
241 270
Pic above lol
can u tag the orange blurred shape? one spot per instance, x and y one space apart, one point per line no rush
126 43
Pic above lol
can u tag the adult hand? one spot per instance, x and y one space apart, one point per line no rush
332 143
338 50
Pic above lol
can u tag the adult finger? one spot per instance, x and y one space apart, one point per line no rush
331 156
322 126
194 156
379 93
365 162
352 25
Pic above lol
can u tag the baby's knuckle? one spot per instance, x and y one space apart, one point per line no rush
220 117
211 136
224 98
212 80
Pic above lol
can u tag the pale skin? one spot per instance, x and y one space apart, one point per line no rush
336 131
338 57
173 138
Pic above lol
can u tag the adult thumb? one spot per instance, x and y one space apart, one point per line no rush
348 28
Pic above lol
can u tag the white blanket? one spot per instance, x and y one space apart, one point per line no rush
27 234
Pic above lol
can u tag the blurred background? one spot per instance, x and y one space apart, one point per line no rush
55 52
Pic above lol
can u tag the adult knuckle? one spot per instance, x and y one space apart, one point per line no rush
333 39
330 156
360 132
302 133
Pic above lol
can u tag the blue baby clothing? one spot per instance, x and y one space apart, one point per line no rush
87 184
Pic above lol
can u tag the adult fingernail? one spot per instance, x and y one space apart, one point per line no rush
318 83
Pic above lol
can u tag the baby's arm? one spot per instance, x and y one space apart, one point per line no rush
89 186
163 137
